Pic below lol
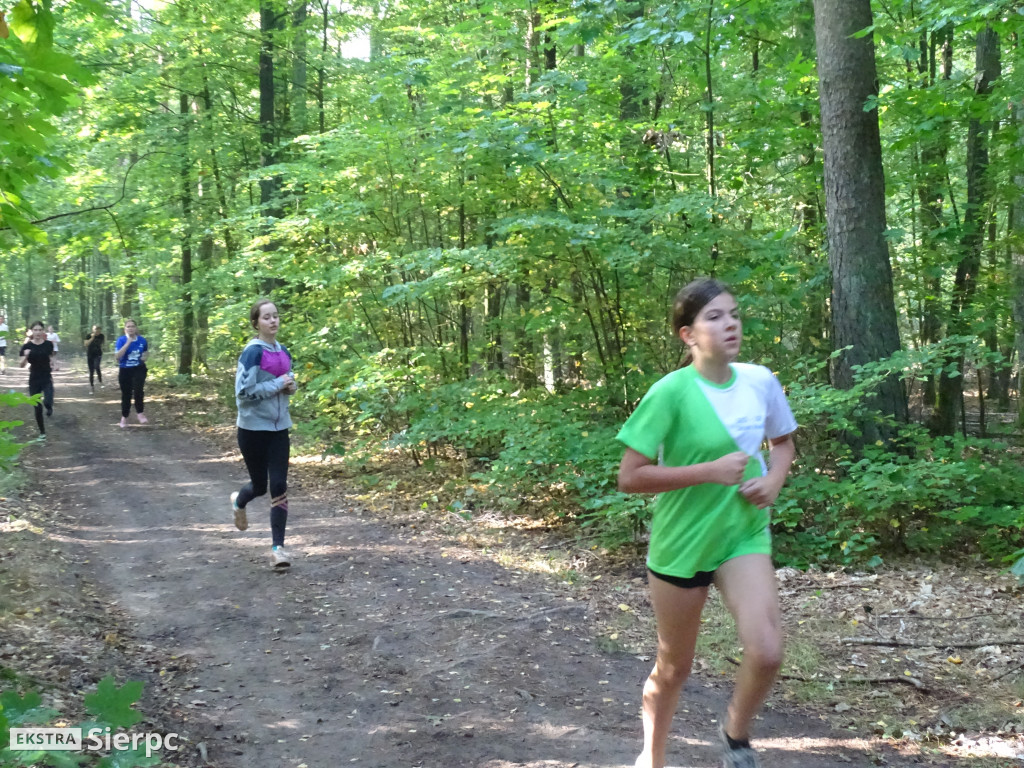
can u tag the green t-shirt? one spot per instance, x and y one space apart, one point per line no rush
685 419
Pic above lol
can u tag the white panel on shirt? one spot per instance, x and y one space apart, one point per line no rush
752 409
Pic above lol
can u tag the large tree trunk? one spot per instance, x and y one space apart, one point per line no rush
951 385
863 311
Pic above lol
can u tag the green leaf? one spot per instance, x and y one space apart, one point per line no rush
24 710
128 758
112 704
32 24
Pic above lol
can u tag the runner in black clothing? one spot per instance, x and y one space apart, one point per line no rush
94 354
37 353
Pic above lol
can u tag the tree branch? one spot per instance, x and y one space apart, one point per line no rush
926 644
108 206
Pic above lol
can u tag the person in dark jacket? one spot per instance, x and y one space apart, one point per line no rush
93 355
38 354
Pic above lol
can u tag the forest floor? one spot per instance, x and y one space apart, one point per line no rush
403 637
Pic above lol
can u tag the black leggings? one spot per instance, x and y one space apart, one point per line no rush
35 386
94 367
131 381
266 457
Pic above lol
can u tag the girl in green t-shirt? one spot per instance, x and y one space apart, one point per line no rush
695 439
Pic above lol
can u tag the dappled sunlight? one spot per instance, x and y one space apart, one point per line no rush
282 725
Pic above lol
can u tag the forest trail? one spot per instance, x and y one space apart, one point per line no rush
382 646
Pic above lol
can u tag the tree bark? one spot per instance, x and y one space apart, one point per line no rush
186 348
987 70
863 310
931 181
299 89
270 185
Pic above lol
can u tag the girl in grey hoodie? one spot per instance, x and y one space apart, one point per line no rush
263 384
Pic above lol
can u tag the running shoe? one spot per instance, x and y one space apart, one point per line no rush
241 522
279 558
124 422
142 418
737 757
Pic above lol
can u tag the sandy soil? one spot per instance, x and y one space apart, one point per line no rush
384 645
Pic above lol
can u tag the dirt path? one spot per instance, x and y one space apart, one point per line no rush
383 646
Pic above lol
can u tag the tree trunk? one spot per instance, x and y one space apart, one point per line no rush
53 298
814 333
186 348
987 70
207 112
931 181
709 108
321 77
863 310
299 87
84 299
270 185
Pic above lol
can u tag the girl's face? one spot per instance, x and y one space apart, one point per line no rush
716 332
38 334
268 323
130 329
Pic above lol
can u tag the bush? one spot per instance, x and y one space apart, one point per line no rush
557 451
9 447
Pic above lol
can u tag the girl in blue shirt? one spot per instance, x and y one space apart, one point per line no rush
131 351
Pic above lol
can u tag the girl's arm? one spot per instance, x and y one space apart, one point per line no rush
639 474
119 351
24 358
762 491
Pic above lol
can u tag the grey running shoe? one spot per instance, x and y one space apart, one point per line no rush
241 521
279 558
743 757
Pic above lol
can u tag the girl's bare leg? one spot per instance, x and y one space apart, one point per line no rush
677 612
748 587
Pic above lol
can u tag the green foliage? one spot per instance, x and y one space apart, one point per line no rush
110 704
919 493
36 85
113 704
8 447
557 452
472 215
